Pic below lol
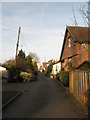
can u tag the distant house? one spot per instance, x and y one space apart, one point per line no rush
3 72
55 69
45 65
76 48
2 68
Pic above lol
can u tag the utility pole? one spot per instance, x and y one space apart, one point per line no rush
18 42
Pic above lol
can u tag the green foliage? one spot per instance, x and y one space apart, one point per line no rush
57 76
64 78
29 62
29 59
49 70
26 76
35 67
21 54
25 65
22 65
14 73
34 57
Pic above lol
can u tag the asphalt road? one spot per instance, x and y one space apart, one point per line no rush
45 99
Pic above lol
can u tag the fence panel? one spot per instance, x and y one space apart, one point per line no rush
79 81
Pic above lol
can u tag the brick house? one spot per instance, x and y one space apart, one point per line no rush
75 58
76 48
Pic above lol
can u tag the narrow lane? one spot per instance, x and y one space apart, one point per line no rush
45 99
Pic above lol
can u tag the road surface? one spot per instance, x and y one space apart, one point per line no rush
45 99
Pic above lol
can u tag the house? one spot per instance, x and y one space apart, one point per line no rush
40 68
76 47
55 69
75 58
45 65
4 73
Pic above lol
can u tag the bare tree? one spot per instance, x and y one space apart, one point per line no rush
34 57
75 21
85 14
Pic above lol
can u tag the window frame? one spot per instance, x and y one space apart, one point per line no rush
70 61
69 42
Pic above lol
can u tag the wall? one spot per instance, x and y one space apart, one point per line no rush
56 68
4 74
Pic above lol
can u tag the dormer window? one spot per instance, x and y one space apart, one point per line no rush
69 42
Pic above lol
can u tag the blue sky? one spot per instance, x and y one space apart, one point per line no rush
42 27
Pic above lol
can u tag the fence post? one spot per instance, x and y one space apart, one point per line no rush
88 95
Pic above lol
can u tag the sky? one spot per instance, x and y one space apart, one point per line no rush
42 25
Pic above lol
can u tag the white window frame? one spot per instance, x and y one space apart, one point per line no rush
69 42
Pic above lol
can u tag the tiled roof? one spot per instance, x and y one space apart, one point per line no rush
79 34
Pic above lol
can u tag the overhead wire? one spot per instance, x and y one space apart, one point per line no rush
23 42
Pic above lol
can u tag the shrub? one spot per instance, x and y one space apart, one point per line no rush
49 70
14 73
26 76
64 78
57 76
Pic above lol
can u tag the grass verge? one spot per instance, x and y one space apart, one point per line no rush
7 95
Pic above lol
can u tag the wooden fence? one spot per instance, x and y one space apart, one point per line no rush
79 81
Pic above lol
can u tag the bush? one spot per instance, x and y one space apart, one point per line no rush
14 73
26 76
57 76
36 73
64 78
49 70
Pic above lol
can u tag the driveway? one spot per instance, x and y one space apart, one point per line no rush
46 98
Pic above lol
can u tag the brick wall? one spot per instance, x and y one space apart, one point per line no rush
80 50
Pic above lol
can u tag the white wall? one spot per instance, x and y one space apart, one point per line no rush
56 68
3 72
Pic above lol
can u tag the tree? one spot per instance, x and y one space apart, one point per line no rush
35 66
29 62
9 63
34 57
21 61
21 54
85 14
49 70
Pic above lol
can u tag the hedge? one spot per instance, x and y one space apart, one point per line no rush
64 78
14 74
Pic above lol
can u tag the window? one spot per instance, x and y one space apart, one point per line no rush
63 64
69 42
70 62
